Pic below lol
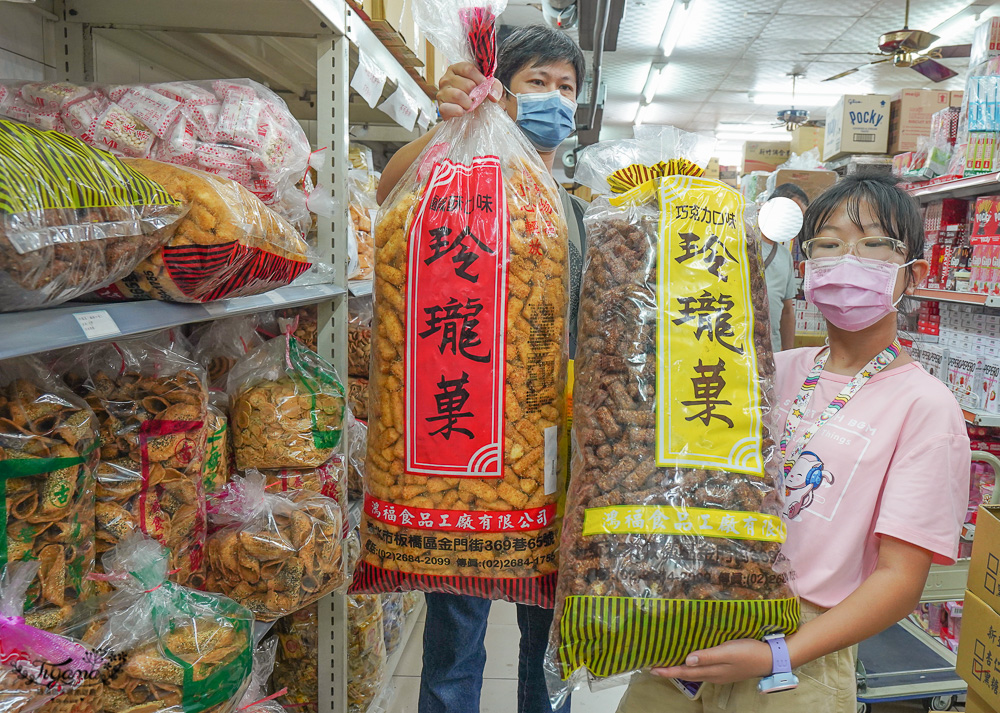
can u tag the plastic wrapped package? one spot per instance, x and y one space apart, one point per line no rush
66 232
235 128
287 407
216 466
274 552
672 534
359 336
305 321
255 699
152 406
363 209
366 659
352 550
173 649
295 668
39 669
228 245
220 344
393 621
357 446
48 464
411 600
469 347
357 396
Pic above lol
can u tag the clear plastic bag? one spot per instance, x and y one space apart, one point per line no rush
359 336
173 649
295 668
672 533
366 658
274 552
152 405
66 232
228 245
235 128
363 211
467 389
48 464
220 344
357 446
357 396
217 465
38 668
393 621
255 699
287 407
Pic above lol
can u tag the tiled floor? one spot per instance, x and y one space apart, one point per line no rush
500 679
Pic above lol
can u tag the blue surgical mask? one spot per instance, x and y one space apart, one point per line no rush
546 118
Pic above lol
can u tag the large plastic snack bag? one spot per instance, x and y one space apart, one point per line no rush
234 128
274 553
228 245
468 354
72 218
174 649
38 668
672 534
48 465
152 406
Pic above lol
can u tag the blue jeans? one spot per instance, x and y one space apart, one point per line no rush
455 655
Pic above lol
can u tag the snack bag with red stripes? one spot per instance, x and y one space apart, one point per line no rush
228 245
469 343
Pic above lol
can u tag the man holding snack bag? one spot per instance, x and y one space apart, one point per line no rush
537 79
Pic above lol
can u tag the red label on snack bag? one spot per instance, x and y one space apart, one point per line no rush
459 520
456 314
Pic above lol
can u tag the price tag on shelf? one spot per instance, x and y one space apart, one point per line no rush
402 108
216 308
275 298
97 324
368 80
424 120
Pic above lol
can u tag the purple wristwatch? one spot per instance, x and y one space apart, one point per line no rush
781 678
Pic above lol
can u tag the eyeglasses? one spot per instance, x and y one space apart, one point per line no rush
872 248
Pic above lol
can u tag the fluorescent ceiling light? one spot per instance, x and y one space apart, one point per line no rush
800 100
675 25
640 115
652 82
953 29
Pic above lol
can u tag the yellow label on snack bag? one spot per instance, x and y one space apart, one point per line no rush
708 400
671 520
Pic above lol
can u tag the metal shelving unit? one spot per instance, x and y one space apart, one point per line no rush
312 48
964 298
959 188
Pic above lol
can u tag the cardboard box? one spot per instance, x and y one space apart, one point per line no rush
910 114
857 123
975 704
729 175
979 648
955 98
986 219
805 138
813 182
764 155
712 169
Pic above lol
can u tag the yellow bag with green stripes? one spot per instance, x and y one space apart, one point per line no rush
672 532
72 218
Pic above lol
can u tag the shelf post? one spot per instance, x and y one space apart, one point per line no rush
332 85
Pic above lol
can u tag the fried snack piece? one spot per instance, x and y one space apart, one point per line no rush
153 435
357 394
48 460
228 245
306 326
359 350
295 667
366 656
287 555
537 299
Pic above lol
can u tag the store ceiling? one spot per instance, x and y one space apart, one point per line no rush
731 49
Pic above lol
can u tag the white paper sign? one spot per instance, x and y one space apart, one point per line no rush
275 297
216 308
368 80
401 107
424 120
97 324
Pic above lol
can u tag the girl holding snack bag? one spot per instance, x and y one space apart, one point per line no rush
876 467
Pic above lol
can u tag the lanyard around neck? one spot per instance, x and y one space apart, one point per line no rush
877 364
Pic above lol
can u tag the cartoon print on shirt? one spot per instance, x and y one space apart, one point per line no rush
802 482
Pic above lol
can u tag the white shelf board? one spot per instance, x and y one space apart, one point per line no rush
979 418
946 583
360 288
57 328
959 188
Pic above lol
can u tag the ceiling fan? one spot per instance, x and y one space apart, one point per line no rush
908 48
792 118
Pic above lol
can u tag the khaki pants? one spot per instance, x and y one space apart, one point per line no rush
826 685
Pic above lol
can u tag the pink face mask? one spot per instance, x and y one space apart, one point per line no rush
852 293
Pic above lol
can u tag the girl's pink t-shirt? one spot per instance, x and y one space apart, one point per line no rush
894 461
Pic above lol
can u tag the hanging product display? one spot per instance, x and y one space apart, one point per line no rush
72 218
466 398
672 533
48 464
366 658
152 406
